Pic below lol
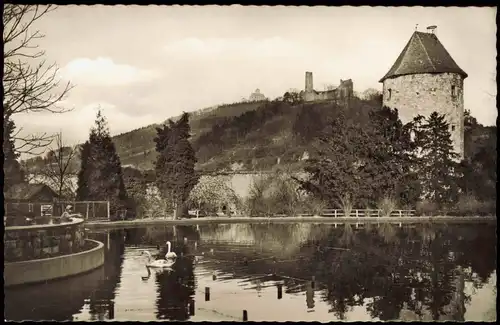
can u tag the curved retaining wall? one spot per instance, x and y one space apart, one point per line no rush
46 269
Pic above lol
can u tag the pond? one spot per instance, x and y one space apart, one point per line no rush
280 272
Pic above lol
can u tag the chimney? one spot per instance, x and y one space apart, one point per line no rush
431 29
309 81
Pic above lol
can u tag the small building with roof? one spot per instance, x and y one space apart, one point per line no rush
26 192
425 79
256 96
26 198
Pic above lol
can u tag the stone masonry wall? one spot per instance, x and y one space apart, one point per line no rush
423 94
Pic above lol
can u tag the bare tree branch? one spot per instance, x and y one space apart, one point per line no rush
58 166
30 84
33 143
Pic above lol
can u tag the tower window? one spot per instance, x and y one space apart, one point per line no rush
389 93
453 127
453 91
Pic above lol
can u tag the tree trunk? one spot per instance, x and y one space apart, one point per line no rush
179 210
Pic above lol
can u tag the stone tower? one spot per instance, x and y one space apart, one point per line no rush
425 79
309 82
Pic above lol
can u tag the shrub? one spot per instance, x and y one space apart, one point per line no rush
346 203
386 206
469 205
366 214
316 206
257 203
427 208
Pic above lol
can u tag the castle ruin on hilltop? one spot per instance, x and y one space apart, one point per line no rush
425 79
341 94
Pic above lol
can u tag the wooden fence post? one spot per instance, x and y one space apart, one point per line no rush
207 294
93 210
356 213
108 209
111 310
87 214
191 307
335 213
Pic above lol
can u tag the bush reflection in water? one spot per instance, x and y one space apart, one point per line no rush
408 272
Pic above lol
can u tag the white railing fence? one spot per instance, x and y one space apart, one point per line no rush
354 213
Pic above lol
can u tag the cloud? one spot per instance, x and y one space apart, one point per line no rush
273 47
75 125
104 72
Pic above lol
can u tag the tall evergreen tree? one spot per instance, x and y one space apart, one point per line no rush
13 174
389 158
100 177
175 174
436 162
82 191
335 167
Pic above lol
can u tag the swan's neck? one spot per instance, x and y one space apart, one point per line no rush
168 247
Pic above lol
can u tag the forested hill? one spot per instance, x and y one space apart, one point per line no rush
250 135
258 135
274 132
137 147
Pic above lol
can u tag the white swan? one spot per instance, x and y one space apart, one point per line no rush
170 255
158 263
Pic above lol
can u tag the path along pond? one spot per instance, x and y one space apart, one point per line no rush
279 272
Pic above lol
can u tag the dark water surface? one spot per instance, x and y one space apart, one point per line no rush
426 272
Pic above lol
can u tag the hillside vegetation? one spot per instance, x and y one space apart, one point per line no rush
275 131
250 135
258 135
137 148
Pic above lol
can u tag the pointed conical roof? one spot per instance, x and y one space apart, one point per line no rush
423 53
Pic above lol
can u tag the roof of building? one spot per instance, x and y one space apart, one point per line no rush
423 53
25 191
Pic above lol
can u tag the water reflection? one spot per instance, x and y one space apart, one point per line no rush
175 290
292 272
100 302
65 299
57 301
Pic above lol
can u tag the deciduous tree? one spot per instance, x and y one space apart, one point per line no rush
58 169
30 84
212 193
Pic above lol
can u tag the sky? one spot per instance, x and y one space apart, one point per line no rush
144 64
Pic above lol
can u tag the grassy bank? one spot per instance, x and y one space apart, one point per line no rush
322 220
